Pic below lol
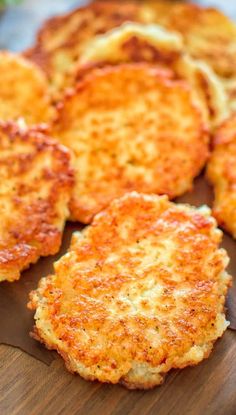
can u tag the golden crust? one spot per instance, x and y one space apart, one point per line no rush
141 291
23 91
36 183
130 128
61 39
221 172
134 42
208 35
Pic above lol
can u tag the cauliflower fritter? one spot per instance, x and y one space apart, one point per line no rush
61 39
130 128
221 172
23 91
35 187
208 35
141 291
134 42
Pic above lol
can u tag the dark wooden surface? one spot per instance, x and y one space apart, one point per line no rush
30 387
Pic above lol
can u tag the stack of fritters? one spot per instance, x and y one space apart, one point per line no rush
132 93
36 176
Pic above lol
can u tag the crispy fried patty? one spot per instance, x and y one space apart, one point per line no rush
61 39
141 291
130 128
221 172
35 187
134 42
208 35
23 91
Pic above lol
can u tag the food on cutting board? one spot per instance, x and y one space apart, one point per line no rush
140 291
221 172
130 127
35 187
133 90
23 91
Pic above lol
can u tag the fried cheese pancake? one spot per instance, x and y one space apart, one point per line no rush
62 38
141 291
134 42
23 91
35 188
208 35
130 127
221 172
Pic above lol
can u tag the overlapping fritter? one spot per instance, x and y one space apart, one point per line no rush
61 39
35 187
141 291
133 42
221 172
208 35
130 128
23 91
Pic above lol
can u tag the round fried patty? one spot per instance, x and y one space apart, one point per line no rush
23 91
134 42
130 128
141 291
221 172
61 39
208 35
35 187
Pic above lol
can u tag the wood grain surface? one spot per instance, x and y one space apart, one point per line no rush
31 387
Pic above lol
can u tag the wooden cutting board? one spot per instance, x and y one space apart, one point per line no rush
34 381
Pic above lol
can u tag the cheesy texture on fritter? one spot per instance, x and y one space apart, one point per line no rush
208 35
221 172
141 291
61 39
35 188
130 128
23 91
133 42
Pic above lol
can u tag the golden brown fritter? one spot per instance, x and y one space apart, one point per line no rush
208 35
141 291
130 128
23 91
61 39
35 187
221 172
134 42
